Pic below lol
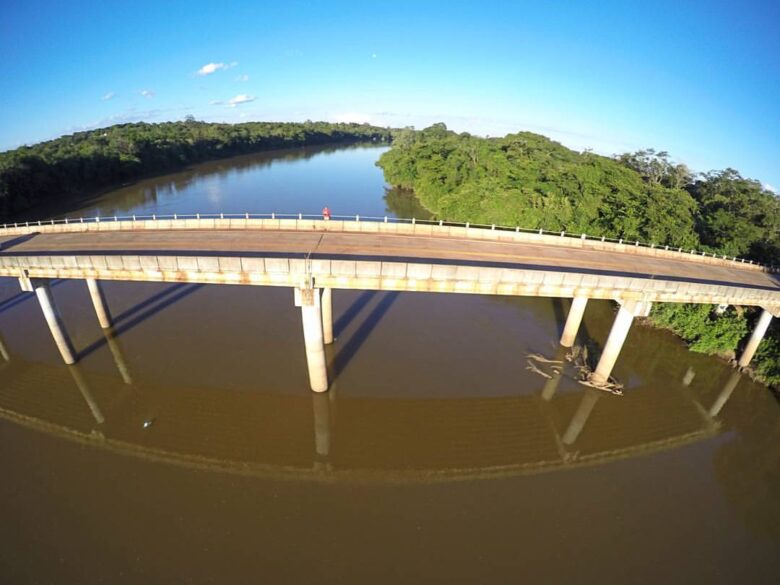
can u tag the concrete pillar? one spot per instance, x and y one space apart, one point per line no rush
755 338
99 301
725 394
52 317
580 417
573 321
327 315
617 336
311 315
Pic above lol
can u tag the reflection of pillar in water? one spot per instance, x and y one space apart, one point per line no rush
580 417
99 302
551 386
321 405
4 351
84 389
755 338
688 377
724 395
54 321
119 357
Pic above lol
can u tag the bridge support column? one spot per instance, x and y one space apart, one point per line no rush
99 301
758 334
327 315
573 321
311 315
617 336
50 313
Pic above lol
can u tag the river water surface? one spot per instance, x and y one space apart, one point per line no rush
186 447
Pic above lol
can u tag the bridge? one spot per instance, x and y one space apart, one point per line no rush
313 256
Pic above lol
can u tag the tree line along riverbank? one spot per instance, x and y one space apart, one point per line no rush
528 180
85 162
521 179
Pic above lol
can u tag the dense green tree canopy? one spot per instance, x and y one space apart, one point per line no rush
528 180
88 160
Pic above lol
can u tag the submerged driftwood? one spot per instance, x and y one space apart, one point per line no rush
578 358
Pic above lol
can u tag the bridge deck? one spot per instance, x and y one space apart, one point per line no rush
386 247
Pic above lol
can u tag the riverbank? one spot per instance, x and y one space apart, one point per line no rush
84 164
527 180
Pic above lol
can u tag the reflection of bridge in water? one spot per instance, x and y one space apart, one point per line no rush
315 256
325 437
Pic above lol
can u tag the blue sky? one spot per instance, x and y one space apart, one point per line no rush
698 79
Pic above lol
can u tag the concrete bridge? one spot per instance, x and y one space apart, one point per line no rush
315 256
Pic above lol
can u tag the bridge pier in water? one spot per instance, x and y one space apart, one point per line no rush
52 316
573 321
99 302
755 338
617 336
327 315
308 299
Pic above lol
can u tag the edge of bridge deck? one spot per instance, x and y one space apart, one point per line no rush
438 229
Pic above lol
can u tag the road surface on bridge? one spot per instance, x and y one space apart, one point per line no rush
388 247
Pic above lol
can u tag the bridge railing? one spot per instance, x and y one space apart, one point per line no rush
568 238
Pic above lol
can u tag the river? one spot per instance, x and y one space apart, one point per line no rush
186 446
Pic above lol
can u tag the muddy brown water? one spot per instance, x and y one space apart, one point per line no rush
185 447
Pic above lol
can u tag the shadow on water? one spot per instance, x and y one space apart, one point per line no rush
150 301
21 297
560 314
350 348
349 315
181 291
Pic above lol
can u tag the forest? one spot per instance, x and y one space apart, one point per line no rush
528 180
84 162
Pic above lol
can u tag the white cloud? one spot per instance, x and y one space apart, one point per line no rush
110 95
240 99
769 187
147 93
243 77
210 68
216 102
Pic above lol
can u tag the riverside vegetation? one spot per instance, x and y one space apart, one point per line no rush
528 180
84 162
521 179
